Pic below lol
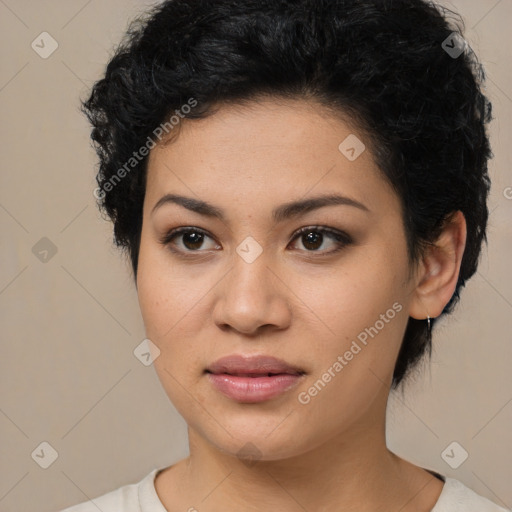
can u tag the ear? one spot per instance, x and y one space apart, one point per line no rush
439 270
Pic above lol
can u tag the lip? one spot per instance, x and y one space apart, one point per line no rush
246 378
258 365
253 389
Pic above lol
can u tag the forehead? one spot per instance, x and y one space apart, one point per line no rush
255 151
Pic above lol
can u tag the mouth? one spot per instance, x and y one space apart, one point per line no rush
252 366
252 379
254 375
253 388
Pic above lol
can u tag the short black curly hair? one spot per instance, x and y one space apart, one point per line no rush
394 66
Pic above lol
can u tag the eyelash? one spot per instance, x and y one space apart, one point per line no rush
341 238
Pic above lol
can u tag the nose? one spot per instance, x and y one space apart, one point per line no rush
252 298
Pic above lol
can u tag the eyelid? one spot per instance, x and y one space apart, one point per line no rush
173 233
342 238
334 233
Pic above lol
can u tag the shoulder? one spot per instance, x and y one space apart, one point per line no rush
129 498
456 497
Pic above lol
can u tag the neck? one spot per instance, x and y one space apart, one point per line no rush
351 471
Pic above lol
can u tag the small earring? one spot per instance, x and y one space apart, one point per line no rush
428 323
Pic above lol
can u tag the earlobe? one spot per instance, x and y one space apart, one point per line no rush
440 269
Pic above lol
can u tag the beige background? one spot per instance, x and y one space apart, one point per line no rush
69 326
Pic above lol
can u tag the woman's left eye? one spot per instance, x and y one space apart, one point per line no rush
313 238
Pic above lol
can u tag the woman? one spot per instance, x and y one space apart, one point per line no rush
301 187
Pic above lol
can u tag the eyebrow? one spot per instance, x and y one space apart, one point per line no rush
279 214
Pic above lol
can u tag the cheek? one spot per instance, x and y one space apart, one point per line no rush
154 291
172 305
162 295
359 312
352 297
152 296
356 343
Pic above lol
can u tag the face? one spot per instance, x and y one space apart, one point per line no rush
331 301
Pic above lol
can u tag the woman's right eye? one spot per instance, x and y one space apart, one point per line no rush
191 238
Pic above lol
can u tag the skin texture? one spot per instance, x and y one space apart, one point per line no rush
295 302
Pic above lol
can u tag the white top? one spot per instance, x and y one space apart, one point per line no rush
142 497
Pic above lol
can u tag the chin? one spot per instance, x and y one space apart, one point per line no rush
264 440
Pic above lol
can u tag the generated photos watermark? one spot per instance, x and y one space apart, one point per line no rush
342 361
137 156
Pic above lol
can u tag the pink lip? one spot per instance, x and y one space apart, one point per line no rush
246 378
235 364
253 389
